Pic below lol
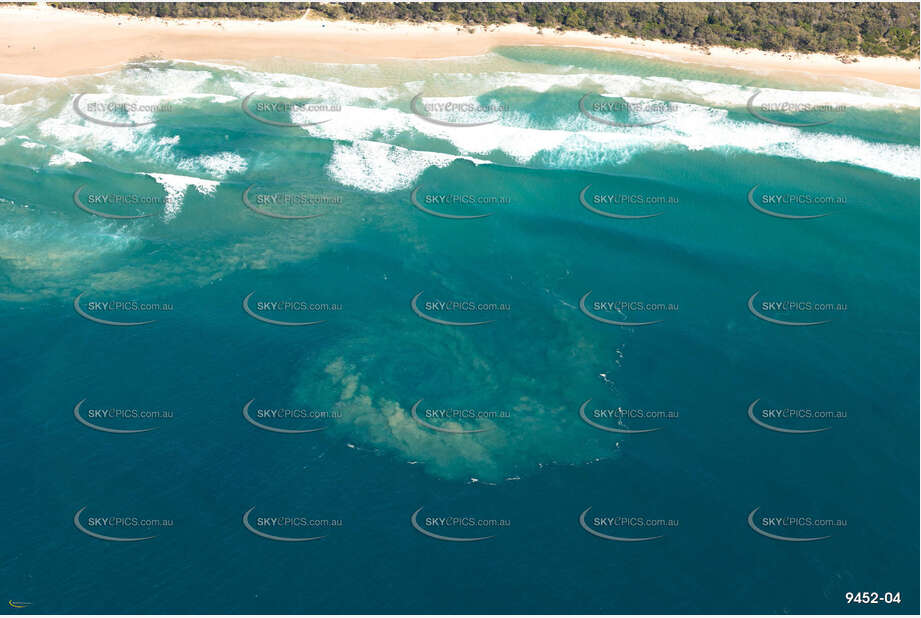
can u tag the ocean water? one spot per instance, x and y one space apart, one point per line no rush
512 312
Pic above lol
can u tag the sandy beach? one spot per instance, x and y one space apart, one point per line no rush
43 41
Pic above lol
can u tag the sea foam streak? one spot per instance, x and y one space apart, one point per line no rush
382 168
580 142
67 159
175 187
381 114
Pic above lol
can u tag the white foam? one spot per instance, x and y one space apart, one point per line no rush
361 123
156 84
217 165
870 96
176 186
70 130
578 141
68 159
381 114
21 106
859 94
381 168
294 87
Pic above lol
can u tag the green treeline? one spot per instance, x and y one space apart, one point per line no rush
872 28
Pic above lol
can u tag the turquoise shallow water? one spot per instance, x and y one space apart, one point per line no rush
479 422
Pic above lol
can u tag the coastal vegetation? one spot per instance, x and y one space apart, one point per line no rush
841 28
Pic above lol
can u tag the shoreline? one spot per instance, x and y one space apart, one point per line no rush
48 42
